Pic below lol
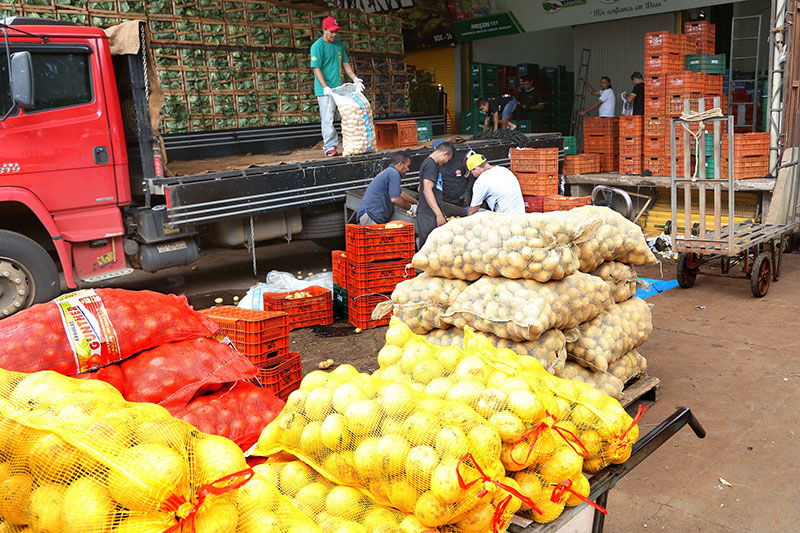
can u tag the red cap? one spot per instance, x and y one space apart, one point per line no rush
330 24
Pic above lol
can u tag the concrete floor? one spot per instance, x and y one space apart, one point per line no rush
733 362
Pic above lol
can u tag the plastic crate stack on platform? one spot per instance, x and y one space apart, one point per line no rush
601 136
537 172
263 337
750 155
631 144
582 164
375 262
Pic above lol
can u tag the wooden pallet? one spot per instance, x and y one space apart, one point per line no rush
643 389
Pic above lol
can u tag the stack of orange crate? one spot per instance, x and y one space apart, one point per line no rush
582 164
664 59
601 136
376 261
700 37
750 155
631 144
312 306
564 203
263 337
537 172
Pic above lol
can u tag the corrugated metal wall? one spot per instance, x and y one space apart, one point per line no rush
441 63
618 48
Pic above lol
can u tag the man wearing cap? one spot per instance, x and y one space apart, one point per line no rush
497 186
429 208
328 56
385 192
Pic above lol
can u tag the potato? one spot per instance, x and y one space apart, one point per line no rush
605 382
618 330
524 309
419 302
621 279
615 239
629 365
549 349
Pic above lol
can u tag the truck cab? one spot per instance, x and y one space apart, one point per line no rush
63 160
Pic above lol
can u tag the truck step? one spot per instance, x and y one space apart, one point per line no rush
107 275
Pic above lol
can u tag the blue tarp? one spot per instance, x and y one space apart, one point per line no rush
656 286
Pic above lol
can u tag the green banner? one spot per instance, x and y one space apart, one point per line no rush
488 26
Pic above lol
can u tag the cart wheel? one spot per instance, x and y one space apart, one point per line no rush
688 268
761 276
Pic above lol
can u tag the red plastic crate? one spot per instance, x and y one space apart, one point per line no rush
534 160
316 309
663 64
631 126
656 84
754 144
601 126
378 276
600 144
609 162
379 243
284 373
263 354
533 204
631 144
248 326
288 389
395 134
359 310
654 105
339 268
537 183
699 28
630 165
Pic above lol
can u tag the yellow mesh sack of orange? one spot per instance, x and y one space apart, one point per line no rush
550 348
436 459
78 458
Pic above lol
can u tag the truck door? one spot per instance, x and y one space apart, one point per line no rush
63 144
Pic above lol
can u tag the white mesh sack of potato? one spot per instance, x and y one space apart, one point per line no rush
550 349
621 279
630 365
615 239
419 302
516 246
358 128
524 309
610 335
605 382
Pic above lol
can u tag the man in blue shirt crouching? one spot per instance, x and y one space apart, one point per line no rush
385 192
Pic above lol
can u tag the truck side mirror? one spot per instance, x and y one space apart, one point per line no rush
22 79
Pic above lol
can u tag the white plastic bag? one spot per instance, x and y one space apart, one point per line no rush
278 281
358 129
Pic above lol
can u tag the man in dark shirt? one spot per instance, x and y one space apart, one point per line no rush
636 97
429 209
500 109
456 181
528 100
384 192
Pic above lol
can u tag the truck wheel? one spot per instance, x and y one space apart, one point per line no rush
27 274
322 222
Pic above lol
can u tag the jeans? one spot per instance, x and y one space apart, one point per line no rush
330 138
366 220
508 110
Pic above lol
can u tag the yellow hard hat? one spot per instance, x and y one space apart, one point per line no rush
474 161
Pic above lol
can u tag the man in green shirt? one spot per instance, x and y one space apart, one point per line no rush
328 56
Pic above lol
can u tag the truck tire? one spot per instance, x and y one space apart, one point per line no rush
27 274
323 223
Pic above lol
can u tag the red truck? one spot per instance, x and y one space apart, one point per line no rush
83 191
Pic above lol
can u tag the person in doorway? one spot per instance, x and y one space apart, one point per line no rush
429 208
495 185
499 110
328 57
605 99
528 104
385 192
456 180
635 98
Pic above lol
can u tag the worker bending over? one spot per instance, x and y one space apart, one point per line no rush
497 186
385 192
499 109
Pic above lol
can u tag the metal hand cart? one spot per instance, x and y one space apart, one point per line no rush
715 244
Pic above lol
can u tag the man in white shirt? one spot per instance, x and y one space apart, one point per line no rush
605 99
497 186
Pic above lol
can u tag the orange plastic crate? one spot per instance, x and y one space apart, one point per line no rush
631 126
582 164
316 309
630 165
379 243
285 372
600 144
609 162
534 160
654 105
655 126
754 144
663 64
339 268
377 276
699 28
564 203
359 310
248 326
600 126
655 84
396 134
264 353
537 183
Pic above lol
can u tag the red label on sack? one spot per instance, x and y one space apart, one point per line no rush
91 335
